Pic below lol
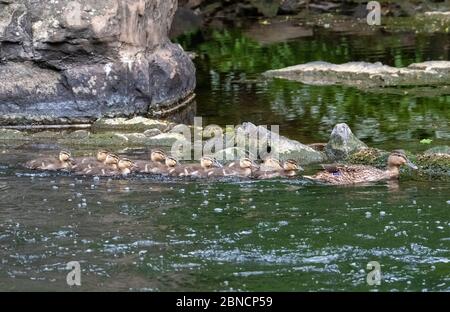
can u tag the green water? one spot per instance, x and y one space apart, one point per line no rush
231 90
148 234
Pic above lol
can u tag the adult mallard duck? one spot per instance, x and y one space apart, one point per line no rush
351 174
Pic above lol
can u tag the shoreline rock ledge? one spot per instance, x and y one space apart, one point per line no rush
75 61
366 75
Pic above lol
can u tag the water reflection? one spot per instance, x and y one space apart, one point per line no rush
230 89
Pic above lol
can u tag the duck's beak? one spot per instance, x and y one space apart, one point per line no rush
300 168
217 164
411 165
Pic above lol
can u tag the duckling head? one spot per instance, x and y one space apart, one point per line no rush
101 154
208 162
247 163
171 162
158 155
112 159
65 156
291 165
398 158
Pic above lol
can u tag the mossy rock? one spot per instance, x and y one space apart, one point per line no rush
136 124
9 134
442 149
103 139
369 156
434 165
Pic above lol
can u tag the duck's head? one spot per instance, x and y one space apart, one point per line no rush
158 155
246 163
208 162
291 165
272 163
101 154
398 158
125 165
171 161
65 156
112 159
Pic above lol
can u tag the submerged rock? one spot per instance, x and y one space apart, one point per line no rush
136 124
438 150
366 75
343 142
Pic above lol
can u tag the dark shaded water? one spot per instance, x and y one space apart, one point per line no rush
150 234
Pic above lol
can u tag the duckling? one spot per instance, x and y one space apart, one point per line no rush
343 174
156 163
100 157
289 169
125 166
205 168
86 163
63 162
108 167
270 164
171 167
246 168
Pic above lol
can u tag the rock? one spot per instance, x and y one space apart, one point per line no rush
136 124
185 21
152 132
9 134
47 134
230 153
249 136
369 156
267 8
97 140
342 142
366 75
292 6
277 31
438 150
166 139
79 134
80 60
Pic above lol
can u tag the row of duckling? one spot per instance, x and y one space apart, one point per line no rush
107 163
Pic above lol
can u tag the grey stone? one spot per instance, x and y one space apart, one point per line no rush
438 150
230 153
366 75
249 136
136 124
342 142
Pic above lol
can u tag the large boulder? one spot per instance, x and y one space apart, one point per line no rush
74 61
342 142
263 142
